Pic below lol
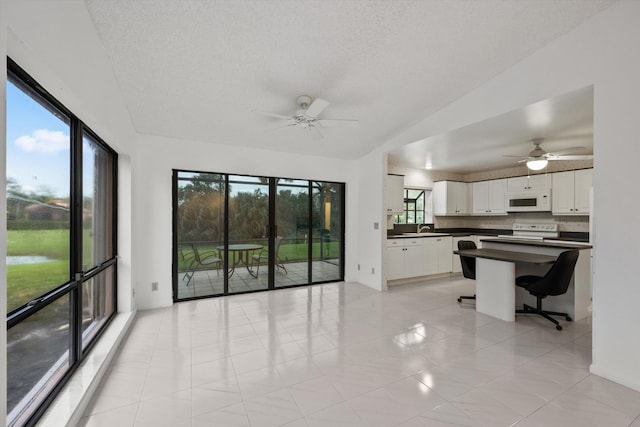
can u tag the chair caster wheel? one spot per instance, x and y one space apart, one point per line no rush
569 319
459 299
558 327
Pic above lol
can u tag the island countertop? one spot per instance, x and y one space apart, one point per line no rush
549 243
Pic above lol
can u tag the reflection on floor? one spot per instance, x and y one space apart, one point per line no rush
211 282
346 355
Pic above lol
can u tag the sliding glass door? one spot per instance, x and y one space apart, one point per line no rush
237 233
292 237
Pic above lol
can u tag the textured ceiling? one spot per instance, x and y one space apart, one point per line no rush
562 122
196 69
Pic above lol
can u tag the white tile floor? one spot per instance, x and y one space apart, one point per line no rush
345 355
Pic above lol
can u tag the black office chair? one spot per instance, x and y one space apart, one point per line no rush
468 264
555 282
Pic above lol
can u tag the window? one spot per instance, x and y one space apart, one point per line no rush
60 244
417 207
238 233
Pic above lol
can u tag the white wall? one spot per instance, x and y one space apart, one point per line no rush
603 52
152 203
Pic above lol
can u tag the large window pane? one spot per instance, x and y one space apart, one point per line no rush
292 219
97 212
200 231
37 356
248 233
38 196
327 216
98 304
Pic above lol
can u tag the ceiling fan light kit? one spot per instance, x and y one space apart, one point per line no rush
538 159
537 164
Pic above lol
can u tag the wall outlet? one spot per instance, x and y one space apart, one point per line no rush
358 267
373 270
376 225
154 286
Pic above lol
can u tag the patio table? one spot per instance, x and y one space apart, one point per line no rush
240 254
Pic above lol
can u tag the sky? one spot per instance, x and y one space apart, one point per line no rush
38 148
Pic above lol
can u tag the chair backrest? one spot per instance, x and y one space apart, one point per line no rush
557 279
196 254
277 245
468 263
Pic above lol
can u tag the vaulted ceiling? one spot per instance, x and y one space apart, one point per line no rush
197 69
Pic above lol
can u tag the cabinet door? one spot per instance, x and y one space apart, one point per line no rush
444 249
517 184
496 192
540 182
395 194
413 258
395 262
429 256
460 197
439 198
562 193
480 197
528 183
582 186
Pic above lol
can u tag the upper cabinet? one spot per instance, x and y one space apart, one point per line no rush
488 197
529 183
395 194
571 192
450 198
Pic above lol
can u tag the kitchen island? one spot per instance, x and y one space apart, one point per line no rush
576 302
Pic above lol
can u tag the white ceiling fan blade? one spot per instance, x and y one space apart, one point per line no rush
566 151
277 116
317 106
338 123
574 157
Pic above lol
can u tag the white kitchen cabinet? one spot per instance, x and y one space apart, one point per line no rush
570 192
521 184
444 248
404 258
450 198
395 194
488 197
437 255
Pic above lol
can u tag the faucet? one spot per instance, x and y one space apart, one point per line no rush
423 228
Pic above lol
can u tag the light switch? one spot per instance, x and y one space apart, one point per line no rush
376 225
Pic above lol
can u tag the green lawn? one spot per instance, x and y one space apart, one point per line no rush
28 281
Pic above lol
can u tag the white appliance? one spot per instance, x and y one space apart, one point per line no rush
532 231
529 201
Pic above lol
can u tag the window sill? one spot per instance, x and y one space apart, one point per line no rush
72 401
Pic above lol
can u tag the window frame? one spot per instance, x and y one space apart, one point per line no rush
72 288
407 201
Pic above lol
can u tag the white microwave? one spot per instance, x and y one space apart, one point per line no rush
529 201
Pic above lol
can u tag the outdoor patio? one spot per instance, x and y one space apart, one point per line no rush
211 282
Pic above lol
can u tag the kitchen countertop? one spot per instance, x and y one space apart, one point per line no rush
421 235
550 243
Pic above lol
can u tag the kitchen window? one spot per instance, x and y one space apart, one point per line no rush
417 207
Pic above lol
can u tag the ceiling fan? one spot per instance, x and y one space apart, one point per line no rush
538 158
306 116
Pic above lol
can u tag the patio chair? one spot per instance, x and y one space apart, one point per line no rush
264 255
202 261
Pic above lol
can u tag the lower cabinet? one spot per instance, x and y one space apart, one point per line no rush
422 256
404 258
